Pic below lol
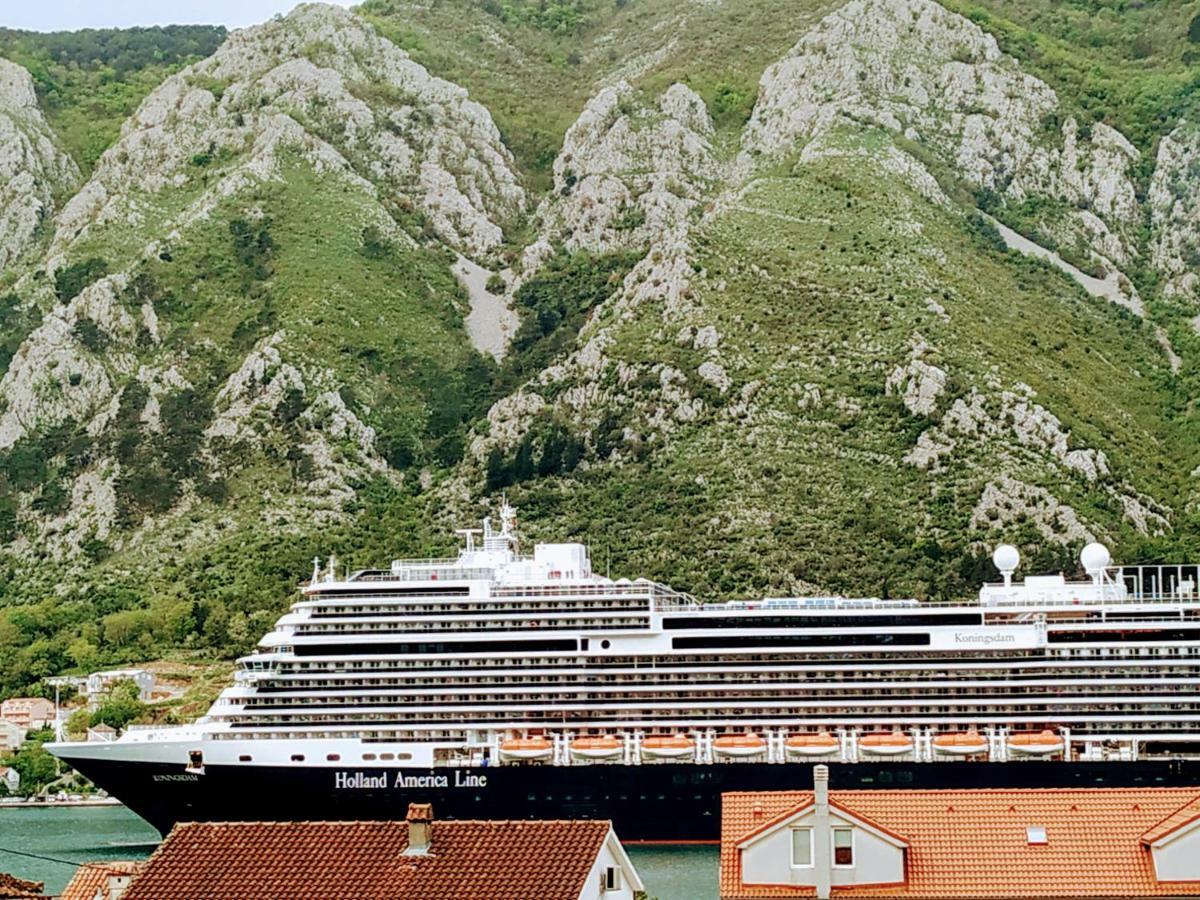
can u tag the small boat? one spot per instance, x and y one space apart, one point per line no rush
739 745
1036 743
668 747
960 743
886 743
604 747
820 744
527 748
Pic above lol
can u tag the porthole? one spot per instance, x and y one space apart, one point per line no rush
244 758
332 757
297 757
368 757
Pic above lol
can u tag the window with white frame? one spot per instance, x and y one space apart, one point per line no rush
843 847
802 847
610 879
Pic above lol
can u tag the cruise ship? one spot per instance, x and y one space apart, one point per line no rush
497 684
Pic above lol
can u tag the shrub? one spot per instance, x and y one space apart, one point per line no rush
70 280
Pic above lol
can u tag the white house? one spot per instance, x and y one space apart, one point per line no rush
12 735
414 859
1007 844
100 683
11 778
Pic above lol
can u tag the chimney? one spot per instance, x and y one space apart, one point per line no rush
822 834
420 828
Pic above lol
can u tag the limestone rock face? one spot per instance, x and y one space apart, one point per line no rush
323 84
914 68
1175 212
629 172
33 168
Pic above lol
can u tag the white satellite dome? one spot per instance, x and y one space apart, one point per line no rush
1095 557
1006 558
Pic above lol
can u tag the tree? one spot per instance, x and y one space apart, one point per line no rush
120 707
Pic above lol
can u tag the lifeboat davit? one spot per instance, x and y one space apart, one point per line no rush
961 743
597 747
886 743
1036 743
527 748
739 745
668 747
820 744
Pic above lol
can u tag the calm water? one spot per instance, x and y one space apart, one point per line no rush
83 834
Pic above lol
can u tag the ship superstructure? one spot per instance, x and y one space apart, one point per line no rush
533 672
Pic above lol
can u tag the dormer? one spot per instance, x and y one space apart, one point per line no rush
1175 844
823 845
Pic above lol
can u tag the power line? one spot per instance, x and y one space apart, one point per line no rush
64 862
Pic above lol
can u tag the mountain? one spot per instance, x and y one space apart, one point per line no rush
754 298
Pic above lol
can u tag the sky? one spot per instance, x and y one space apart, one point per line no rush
68 15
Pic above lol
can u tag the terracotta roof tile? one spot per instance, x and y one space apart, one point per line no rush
973 843
13 888
1185 815
92 878
467 860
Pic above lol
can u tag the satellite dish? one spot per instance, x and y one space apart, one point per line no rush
1006 558
1095 558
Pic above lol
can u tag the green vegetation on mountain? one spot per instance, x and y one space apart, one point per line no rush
90 81
763 334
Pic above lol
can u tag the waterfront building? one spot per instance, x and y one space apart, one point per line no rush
418 859
498 682
1023 844
31 713
12 736
107 880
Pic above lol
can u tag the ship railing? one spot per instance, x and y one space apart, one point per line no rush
1157 583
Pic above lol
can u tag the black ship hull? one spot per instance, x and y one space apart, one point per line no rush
670 802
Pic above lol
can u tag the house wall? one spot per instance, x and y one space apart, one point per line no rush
1179 860
769 859
591 887
11 736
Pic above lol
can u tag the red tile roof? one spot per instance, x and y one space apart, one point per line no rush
1185 815
973 843
13 888
467 860
91 879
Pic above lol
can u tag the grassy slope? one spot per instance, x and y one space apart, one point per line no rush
535 79
821 495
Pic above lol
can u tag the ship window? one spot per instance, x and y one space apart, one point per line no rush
843 846
802 847
244 758
387 755
403 756
297 757
332 757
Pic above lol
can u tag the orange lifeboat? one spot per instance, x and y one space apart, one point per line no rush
605 747
527 748
739 745
885 743
668 747
961 743
820 744
1036 743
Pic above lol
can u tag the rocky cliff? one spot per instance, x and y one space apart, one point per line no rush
34 170
876 295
